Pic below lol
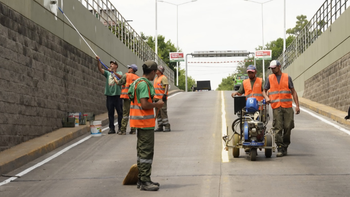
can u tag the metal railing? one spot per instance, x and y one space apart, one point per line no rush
324 17
105 11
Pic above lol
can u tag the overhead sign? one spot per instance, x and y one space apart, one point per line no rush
228 53
263 54
176 57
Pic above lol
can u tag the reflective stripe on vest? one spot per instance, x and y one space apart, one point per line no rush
130 77
158 88
280 95
141 118
256 92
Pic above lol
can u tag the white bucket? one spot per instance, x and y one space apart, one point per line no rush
95 128
76 116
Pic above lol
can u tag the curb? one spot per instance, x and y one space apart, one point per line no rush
25 152
324 110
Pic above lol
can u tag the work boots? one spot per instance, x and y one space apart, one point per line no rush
284 151
279 152
148 186
159 129
167 128
132 131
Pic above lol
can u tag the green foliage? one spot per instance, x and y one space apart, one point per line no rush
226 83
164 48
300 24
182 81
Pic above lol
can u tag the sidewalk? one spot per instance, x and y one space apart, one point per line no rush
324 110
25 152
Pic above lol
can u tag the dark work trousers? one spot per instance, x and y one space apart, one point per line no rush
114 103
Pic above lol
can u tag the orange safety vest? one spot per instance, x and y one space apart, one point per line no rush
159 89
130 77
256 92
141 118
280 95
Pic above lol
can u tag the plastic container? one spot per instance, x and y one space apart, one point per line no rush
76 116
95 128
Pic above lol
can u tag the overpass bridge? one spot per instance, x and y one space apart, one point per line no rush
47 70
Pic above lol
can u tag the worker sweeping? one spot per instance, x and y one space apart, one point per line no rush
142 117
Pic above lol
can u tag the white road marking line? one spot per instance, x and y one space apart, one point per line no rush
54 156
224 153
324 120
47 159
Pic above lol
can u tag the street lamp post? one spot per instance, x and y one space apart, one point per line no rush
262 27
156 38
177 33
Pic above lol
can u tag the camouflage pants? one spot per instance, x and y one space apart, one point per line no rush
145 151
126 112
162 117
283 123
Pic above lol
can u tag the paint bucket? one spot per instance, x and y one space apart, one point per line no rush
76 116
95 128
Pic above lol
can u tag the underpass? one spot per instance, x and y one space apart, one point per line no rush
190 161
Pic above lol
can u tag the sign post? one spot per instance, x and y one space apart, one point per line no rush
263 55
176 57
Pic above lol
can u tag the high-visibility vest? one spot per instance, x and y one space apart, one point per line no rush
280 95
141 118
256 92
130 77
159 89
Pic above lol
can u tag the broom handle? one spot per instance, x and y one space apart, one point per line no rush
84 39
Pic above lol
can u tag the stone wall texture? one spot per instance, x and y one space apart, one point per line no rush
331 86
42 77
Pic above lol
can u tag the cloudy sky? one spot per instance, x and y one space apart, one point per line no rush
215 25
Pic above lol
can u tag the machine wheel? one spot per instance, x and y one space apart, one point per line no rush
234 124
235 142
253 153
268 152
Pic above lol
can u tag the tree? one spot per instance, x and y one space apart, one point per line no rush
163 49
300 24
226 83
163 52
182 81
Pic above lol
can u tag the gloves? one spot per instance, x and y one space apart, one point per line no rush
164 97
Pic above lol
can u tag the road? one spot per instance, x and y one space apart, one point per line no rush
190 161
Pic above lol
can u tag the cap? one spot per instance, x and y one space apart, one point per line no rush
151 65
114 62
133 66
251 68
274 63
161 68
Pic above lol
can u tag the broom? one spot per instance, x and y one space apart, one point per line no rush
132 176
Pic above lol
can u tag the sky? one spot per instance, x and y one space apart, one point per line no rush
215 25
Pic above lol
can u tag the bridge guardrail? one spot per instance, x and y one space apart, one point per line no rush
329 11
105 11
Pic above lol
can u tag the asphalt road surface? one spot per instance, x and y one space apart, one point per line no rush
190 160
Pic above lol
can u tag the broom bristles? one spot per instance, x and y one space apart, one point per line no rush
132 176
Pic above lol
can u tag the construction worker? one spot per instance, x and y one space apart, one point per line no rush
112 92
161 86
281 91
125 81
142 117
251 87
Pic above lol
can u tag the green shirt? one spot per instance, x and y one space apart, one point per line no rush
141 91
112 89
